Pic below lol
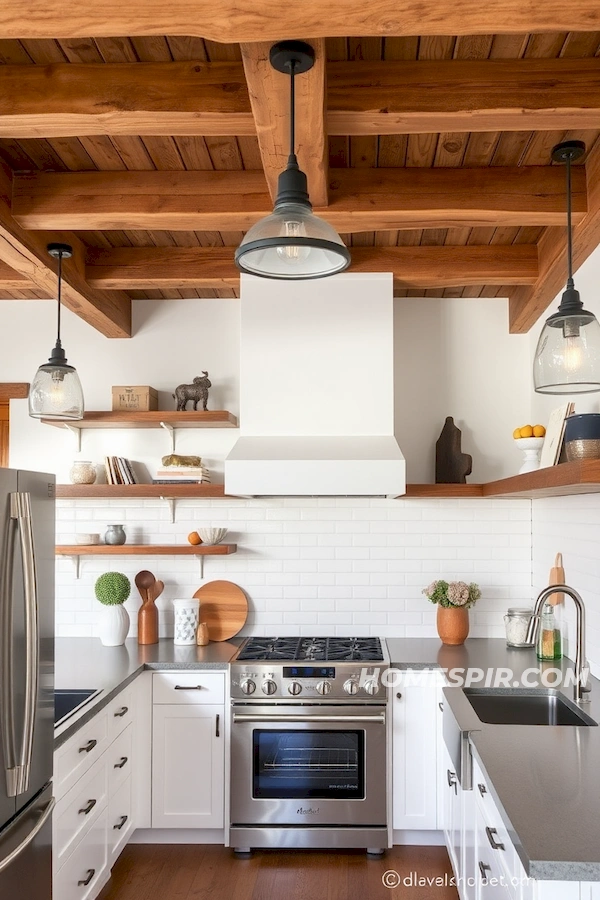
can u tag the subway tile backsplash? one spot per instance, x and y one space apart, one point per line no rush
336 566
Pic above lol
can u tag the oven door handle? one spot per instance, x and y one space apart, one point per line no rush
313 720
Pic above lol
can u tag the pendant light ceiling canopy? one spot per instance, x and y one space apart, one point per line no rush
292 243
56 392
567 357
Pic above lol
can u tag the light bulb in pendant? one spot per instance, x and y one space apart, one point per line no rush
293 255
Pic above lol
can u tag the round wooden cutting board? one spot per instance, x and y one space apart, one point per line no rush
223 607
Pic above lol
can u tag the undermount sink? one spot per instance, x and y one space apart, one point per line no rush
503 706
67 702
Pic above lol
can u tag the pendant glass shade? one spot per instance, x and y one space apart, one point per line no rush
292 243
56 392
567 357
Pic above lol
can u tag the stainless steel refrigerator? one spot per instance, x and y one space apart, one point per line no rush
26 683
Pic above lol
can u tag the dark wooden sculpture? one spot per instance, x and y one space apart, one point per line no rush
451 465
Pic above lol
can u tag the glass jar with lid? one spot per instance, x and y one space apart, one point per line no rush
516 622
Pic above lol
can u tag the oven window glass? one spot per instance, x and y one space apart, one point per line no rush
308 764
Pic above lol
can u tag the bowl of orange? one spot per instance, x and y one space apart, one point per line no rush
530 439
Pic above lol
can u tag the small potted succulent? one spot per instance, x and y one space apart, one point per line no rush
112 590
453 600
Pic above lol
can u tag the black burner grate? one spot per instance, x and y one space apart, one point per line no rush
318 649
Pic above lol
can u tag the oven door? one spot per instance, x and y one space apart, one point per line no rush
303 765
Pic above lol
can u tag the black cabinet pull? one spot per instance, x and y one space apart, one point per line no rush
183 687
121 712
121 823
217 732
89 746
85 881
398 696
87 809
483 868
491 833
482 789
121 763
441 706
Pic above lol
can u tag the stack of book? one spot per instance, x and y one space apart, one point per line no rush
119 470
182 475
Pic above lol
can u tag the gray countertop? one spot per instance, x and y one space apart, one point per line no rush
84 663
545 779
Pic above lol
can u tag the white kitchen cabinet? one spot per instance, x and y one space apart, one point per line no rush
95 776
188 751
414 751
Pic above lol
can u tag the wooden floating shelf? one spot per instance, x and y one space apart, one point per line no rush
440 491
213 418
580 477
145 550
141 491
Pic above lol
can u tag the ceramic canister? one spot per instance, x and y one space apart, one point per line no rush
186 620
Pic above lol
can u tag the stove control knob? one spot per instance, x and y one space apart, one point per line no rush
269 687
371 687
294 688
324 687
247 686
351 687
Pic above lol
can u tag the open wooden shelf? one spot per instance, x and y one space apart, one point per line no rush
145 550
580 477
212 418
141 491
440 491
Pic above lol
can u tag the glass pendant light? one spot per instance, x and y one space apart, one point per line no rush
292 243
567 357
56 391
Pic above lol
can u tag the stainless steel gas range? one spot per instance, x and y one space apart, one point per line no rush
309 744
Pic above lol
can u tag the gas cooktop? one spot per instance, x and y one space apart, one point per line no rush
332 649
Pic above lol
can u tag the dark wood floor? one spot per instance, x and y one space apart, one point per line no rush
203 872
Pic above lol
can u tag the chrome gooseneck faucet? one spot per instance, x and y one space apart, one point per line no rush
580 688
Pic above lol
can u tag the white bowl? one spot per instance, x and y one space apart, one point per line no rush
83 538
212 535
531 443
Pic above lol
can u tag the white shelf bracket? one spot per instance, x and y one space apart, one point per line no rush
171 431
171 503
76 560
201 560
76 432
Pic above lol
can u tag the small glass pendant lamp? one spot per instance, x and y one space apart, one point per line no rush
56 392
292 243
567 357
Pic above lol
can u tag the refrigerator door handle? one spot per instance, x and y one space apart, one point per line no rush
7 691
20 510
10 857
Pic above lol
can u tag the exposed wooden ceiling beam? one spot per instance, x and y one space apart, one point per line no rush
384 97
270 98
25 252
232 21
409 97
360 199
526 305
14 390
11 280
135 268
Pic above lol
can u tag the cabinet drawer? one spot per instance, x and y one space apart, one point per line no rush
86 870
188 687
120 820
76 812
118 759
80 752
120 712
494 836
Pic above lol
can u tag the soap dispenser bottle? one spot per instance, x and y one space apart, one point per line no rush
549 644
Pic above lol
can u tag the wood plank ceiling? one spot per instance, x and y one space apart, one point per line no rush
117 152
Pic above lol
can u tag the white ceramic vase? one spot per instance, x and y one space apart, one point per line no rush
113 625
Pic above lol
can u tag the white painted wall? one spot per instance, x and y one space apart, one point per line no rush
332 565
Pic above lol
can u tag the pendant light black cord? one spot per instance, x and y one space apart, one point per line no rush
570 282
292 153
60 256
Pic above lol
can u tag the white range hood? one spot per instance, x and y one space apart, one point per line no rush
317 389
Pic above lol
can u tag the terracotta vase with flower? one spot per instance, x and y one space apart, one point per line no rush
453 599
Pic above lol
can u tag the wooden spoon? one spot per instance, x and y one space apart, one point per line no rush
145 581
157 590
